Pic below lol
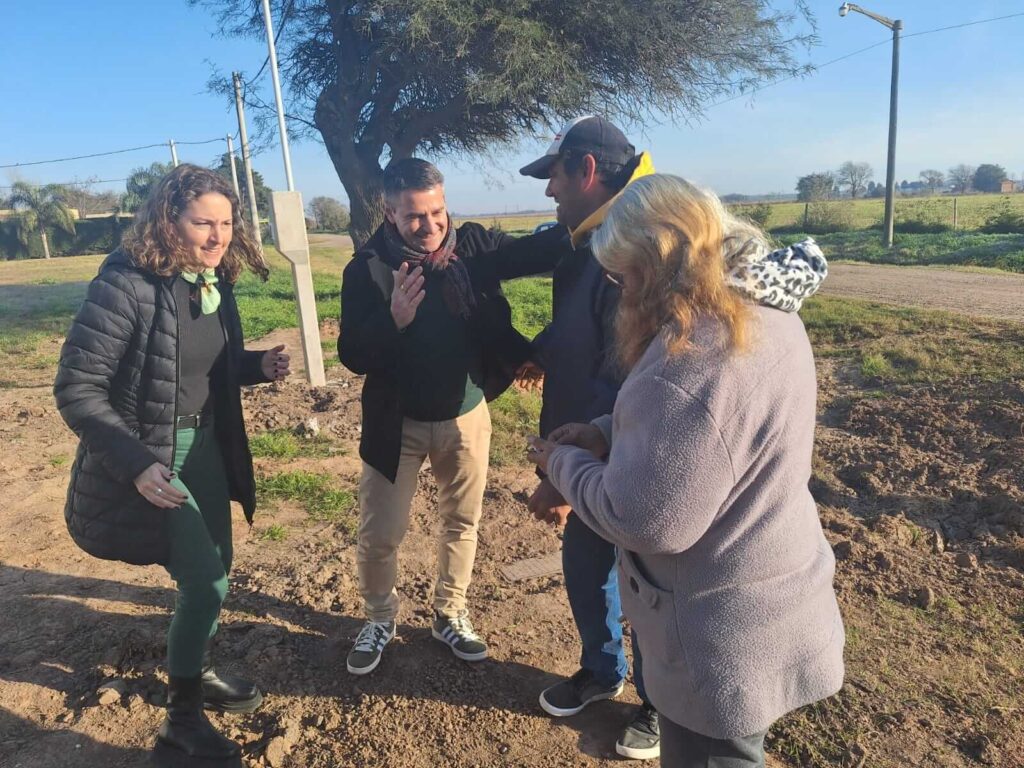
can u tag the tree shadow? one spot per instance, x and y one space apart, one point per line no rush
57 641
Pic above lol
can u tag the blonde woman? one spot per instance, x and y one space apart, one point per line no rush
700 474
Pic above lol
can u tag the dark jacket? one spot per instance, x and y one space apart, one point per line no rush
581 375
117 386
370 344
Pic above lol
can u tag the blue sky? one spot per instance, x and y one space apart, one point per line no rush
78 78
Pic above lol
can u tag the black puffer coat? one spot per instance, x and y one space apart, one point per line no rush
117 387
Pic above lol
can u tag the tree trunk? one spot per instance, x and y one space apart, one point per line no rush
46 245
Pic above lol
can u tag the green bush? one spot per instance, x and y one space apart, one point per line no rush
1004 220
759 214
91 236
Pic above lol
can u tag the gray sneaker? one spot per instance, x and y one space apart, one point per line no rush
642 738
365 654
571 696
457 633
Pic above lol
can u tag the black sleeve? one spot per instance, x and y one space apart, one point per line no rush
89 360
608 374
368 340
514 257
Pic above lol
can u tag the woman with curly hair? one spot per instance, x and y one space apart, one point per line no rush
149 379
700 474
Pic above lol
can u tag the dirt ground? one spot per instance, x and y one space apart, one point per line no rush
920 494
981 293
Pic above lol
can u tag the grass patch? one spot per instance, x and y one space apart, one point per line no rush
285 444
314 491
59 460
971 249
530 299
514 415
899 345
274 533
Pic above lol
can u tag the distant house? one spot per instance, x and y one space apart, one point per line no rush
1006 186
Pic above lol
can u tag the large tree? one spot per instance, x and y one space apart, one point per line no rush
989 177
384 79
961 177
854 176
816 186
39 208
329 214
933 179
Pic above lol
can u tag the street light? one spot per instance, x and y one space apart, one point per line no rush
890 170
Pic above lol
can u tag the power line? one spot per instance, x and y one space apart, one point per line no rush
86 183
860 51
112 152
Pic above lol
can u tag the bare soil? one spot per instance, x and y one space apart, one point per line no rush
980 293
920 494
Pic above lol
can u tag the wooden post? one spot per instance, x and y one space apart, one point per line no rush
954 214
806 207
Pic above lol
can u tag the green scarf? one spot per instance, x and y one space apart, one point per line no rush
206 282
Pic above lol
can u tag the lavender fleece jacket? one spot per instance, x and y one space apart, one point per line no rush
724 570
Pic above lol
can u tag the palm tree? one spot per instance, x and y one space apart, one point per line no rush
39 208
140 183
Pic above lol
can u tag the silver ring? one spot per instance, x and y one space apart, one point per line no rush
159 490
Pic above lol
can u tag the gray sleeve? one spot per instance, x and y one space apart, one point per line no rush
667 476
604 423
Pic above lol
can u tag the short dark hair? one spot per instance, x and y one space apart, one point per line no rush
410 173
614 176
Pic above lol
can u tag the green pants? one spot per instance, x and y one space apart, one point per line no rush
200 552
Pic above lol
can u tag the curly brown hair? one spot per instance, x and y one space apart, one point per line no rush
153 241
669 238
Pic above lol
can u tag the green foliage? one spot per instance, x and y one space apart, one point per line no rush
263 192
962 249
274 533
1005 219
40 208
314 491
330 214
824 217
285 444
461 76
515 415
816 186
141 182
989 177
759 214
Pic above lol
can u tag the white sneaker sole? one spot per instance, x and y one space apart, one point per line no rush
458 654
363 670
638 754
554 711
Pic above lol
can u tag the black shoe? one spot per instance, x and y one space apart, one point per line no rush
457 633
571 696
642 738
186 728
227 693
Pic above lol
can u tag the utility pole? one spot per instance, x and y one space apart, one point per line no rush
234 171
290 234
174 153
243 137
890 169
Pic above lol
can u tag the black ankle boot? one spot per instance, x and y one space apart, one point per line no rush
186 727
228 693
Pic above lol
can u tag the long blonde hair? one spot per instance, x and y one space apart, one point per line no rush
669 241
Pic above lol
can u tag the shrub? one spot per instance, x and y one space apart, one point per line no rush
823 217
759 214
1004 220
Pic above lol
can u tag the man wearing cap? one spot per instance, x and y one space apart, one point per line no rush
587 165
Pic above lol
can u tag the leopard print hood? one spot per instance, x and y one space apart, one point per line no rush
782 278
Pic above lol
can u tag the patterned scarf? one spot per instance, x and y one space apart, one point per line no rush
457 290
782 278
205 283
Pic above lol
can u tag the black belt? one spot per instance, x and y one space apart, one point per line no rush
195 420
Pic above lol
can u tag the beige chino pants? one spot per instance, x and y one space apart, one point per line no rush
458 451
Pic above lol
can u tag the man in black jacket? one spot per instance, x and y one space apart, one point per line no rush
423 317
587 165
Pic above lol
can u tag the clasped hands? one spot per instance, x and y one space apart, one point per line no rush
546 503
